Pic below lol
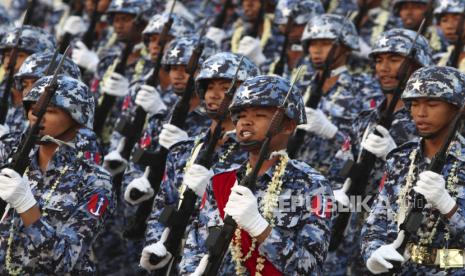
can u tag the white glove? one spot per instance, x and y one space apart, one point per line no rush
433 187
378 261
171 135
116 85
216 34
150 100
341 194
4 129
379 145
74 25
243 208
180 9
15 190
201 267
197 178
143 185
118 163
85 57
318 123
158 249
251 48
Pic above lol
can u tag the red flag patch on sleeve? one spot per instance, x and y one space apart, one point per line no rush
381 184
322 206
97 205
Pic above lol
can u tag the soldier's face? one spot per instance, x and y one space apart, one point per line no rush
178 77
432 117
26 85
154 48
123 25
251 8
387 65
412 14
214 94
319 50
19 59
448 24
55 122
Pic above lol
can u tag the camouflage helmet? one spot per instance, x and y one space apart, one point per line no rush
301 11
449 6
180 50
181 27
224 66
141 8
71 95
398 3
267 91
442 83
33 40
331 26
399 41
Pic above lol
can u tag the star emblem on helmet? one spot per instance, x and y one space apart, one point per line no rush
119 3
286 12
416 85
383 41
215 66
10 38
157 24
246 93
29 66
175 52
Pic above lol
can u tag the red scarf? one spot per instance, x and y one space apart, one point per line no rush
222 184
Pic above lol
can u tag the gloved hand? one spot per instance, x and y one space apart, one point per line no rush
159 250
379 145
171 135
433 187
251 48
143 185
150 100
116 85
216 34
74 25
4 129
85 57
243 208
15 190
341 194
318 123
114 163
197 178
378 261
201 267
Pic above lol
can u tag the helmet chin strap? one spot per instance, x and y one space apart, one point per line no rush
58 139
251 145
434 134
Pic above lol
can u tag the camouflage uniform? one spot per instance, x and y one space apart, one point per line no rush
341 7
59 242
292 246
379 20
344 101
381 227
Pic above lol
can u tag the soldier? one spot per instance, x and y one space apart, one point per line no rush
61 203
32 40
299 12
388 53
344 94
264 231
213 81
412 13
341 7
433 95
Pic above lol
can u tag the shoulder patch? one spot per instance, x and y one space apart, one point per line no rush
97 204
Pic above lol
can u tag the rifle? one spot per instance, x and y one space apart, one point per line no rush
157 168
12 63
67 37
254 29
428 16
316 92
415 217
219 239
89 36
360 171
20 160
458 44
364 8
108 101
221 17
279 66
177 218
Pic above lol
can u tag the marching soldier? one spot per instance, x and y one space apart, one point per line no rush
433 96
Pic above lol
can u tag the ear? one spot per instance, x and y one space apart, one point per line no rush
288 126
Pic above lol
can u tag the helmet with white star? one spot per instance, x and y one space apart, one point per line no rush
224 66
449 6
181 27
399 41
301 11
269 91
180 50
32 40
437 82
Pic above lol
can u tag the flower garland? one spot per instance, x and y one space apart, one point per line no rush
403 200
8 259
268 204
